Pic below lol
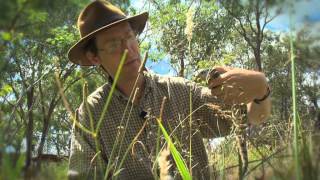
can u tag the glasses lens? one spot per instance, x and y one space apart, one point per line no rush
116 44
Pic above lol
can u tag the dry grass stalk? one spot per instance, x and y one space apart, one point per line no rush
240 122
238 116
190 24
164 164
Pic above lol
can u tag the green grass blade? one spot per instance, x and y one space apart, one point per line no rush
190 131
294 104
120 137
113 87
181 165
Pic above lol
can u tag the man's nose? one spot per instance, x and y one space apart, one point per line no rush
125 44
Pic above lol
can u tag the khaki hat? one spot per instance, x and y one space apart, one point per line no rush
97 16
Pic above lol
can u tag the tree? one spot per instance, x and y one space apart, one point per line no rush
252 18
210 30
31 59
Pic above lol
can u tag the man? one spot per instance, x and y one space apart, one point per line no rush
127 139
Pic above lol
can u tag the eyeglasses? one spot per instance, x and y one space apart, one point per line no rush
115 45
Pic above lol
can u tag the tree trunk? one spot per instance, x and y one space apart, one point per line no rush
257 56
317 118
46 122
29 132
181 71
182 65
317 124
58 145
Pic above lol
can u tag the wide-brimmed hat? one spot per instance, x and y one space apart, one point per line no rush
98 16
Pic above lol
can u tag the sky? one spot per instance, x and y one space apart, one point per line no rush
304 11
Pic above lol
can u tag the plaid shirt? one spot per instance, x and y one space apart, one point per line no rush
139 162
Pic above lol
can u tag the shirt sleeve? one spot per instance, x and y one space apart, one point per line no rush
212 115
84 163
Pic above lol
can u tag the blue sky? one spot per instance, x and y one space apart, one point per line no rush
305 11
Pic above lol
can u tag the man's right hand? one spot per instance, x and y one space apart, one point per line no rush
236 86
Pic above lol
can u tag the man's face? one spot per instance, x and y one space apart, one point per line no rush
111 44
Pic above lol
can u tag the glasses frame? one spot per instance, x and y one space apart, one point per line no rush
115 45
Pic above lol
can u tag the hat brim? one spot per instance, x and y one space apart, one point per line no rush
76 53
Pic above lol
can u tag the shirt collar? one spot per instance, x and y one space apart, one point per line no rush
149 84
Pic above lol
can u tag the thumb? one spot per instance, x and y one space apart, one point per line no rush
216 73
216 82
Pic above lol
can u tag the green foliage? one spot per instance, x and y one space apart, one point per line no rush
62 36
54 171
6 89
211 29
37 16
11 168
28 63
6 36
123 4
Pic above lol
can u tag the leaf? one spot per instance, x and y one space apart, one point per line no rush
6 36
6 89
37 16
181 165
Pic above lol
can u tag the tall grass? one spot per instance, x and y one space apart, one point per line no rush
294 103
181 165
9 170
114 167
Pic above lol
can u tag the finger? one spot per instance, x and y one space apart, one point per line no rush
215 87
214 83
217 92
222 69
216 73
217 80
212 74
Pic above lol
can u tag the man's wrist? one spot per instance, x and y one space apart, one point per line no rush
266 95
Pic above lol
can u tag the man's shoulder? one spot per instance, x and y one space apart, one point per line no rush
99 94
94 102
96 97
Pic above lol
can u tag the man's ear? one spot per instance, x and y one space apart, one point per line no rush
94 59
